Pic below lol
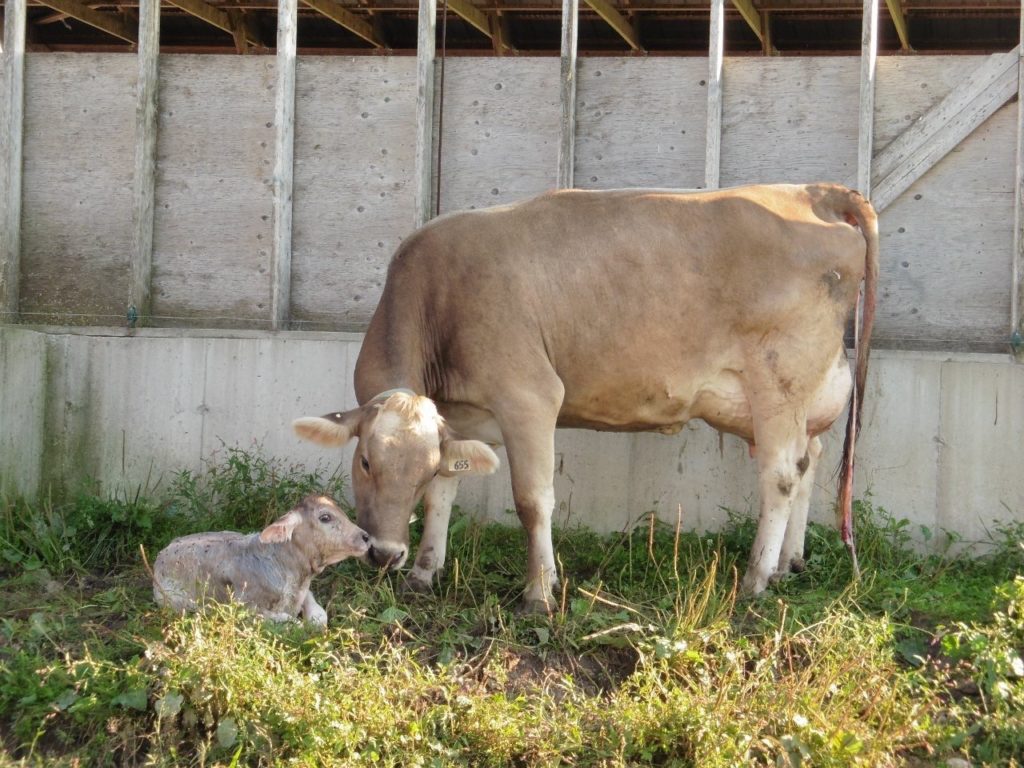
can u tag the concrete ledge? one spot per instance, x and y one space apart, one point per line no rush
941 446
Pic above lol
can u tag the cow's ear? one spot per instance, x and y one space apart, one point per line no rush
281 529
467 457
333 429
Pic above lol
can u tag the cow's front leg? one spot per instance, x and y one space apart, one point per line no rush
782 444
437 510
531 458
792 557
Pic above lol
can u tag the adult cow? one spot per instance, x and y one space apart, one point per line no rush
623 310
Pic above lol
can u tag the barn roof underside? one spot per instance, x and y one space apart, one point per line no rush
533 27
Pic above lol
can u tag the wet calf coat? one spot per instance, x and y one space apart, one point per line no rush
269 571
622 310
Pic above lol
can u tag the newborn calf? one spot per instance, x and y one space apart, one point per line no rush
268 571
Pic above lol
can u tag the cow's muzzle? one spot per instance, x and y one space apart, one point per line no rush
387 556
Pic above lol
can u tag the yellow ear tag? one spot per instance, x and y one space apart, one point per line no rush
459 465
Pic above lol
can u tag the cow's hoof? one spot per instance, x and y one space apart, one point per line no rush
417 584
752 585
535 607
797 565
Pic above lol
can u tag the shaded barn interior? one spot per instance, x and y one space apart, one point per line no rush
533 27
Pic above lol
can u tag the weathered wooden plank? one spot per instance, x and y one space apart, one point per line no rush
501 130
77 206
11 157
616 21
1017 272
713 134
640 122
107 22
425 47
345 18
788 119
866 130
284 147
931 137
353 187
144 183
219 18
213 230
567 94
899 20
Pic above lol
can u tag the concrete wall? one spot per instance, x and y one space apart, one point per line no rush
947 243
941 444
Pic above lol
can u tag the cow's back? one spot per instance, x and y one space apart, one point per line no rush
630 295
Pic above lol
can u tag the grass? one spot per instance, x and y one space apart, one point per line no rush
650 658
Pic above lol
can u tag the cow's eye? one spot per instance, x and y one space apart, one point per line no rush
325 518
365 464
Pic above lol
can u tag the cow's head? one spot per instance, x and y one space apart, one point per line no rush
403 444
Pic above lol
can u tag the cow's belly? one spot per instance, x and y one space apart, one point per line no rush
723 403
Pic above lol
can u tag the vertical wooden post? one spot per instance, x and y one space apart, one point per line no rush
284 146
425 46
1017 286
11 157
144 184
716 51
868 58
567 143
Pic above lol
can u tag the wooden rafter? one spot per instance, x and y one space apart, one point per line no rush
501 36
752 16
899 19
345 18
616 21
239 28
108 22
478 20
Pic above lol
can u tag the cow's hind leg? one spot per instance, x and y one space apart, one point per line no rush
437 509
781 437
792 557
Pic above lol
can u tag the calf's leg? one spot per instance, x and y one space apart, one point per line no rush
312 611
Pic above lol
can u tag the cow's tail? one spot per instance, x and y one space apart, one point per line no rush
859 211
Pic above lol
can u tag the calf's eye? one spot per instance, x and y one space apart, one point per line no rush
365 464
325 518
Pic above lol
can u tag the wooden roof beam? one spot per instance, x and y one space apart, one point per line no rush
480 21
345 18
899 19
752 16
617 21
240 29
108 22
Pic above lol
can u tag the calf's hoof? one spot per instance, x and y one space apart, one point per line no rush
317 618
753 584
797 565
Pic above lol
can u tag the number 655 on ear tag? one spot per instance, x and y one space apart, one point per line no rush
458 465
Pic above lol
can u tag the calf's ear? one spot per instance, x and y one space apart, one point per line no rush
467 457
334 429
281 529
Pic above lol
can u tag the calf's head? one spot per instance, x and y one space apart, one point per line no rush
321 530
403 444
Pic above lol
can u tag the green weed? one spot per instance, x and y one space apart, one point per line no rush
649 658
